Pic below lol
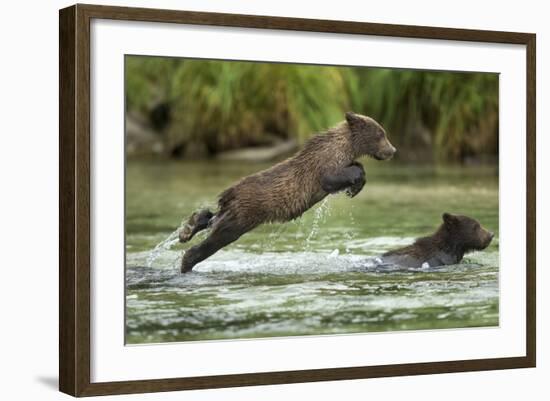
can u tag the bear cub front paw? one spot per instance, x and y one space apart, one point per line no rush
358 180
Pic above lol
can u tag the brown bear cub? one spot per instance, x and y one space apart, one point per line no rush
447 246
325 165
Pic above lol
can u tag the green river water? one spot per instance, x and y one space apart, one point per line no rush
311 276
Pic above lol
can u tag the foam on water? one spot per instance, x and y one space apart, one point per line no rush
295 263
239 294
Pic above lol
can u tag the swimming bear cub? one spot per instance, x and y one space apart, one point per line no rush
325 165
447 246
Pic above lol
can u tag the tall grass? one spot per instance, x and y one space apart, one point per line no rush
453 114
222 105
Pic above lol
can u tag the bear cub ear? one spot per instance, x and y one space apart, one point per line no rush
350 115
448 218
354 120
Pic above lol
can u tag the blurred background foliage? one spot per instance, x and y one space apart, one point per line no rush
185 108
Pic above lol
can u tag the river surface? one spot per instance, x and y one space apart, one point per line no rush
312 276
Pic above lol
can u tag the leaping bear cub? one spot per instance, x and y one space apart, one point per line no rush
327 164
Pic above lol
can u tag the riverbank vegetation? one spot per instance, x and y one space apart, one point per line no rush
185 108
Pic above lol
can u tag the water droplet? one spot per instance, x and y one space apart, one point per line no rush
319 216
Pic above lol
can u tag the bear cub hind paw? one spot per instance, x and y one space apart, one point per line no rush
197 222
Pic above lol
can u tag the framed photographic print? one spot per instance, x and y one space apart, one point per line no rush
250 200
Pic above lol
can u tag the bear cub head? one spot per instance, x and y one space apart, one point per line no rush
466 232
368 137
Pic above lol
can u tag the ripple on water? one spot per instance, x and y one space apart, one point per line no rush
237 294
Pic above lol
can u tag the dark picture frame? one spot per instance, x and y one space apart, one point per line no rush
74 200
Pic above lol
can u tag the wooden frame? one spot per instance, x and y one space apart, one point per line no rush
74 202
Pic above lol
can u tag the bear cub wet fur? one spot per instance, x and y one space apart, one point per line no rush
281 193
457 236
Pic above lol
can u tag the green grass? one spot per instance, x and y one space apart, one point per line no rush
221 105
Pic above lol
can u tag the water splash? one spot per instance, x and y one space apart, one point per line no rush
319 216
167 244
163 246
